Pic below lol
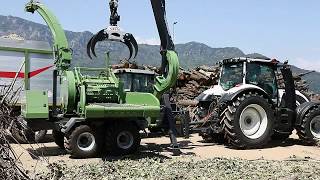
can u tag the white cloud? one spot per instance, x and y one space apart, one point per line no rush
306 63
151 41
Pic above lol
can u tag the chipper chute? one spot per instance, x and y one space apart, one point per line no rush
113 33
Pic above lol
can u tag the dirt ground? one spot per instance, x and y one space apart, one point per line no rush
194 146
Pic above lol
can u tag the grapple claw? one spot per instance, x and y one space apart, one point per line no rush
113 33
100 36
132 41
88 47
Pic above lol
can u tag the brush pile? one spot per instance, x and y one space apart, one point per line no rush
10 166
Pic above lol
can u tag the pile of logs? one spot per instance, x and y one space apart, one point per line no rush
191 83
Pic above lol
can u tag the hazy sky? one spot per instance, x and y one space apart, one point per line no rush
283 29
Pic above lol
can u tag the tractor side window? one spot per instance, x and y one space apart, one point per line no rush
126 78
231 75
143 83
263 76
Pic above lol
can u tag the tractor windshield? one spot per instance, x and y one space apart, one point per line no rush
134 82
231 75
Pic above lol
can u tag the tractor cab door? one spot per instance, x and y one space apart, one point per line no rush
263 76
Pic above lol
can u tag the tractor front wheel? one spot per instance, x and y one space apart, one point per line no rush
248 121
122 138
82 143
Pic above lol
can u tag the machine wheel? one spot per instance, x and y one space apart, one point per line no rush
81 143
248 121
300 100
180 124
280 136
40 135
23 136
58 138
28 136
212 138
309 131
122 138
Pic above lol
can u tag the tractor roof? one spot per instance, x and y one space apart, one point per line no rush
246 59
133 71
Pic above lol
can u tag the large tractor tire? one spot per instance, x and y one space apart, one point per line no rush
248 121
82 142
122 138
58 138
309 130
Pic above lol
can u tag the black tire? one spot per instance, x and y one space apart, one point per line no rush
212 138
40 135
58 138
231 118
180 124
82 143
310 126
300 100
24 136
280 136
128 133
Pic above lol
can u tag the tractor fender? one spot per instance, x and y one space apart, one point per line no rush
209 95
236 91
71 123
303 109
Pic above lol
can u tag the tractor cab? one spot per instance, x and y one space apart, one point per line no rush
136 80
244 71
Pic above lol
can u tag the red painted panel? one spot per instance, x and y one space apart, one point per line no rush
6 74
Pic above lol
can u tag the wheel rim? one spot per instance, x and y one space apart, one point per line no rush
253 121
315 127
125 140
86 141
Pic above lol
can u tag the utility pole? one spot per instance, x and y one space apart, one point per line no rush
174 23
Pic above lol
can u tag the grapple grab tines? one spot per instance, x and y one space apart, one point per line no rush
113 33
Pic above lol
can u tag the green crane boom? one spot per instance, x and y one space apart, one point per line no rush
63 54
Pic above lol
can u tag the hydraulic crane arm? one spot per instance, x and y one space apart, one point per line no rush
170 60
63 54
159 11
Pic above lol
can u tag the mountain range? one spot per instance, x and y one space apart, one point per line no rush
191 54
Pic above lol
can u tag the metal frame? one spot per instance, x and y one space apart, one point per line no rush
27 52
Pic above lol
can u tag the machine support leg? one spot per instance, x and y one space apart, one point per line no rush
172 129
54 93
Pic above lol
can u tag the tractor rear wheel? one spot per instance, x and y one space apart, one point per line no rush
248 121
309 130
58 138
82 143
122 138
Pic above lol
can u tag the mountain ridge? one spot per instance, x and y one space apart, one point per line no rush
191 54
